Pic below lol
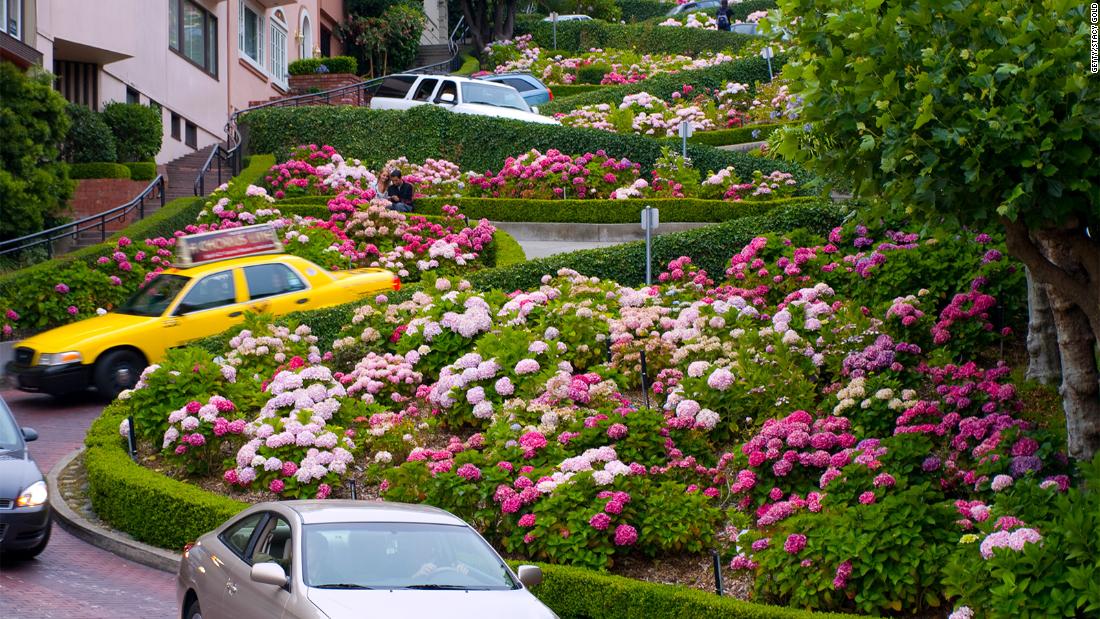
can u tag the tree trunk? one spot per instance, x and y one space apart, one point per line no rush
499 8
476 13
1067 262
1042 340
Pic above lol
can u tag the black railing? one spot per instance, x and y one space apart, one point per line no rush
74 228
232 157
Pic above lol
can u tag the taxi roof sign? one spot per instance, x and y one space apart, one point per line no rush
195 249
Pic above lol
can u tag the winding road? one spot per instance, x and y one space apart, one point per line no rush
72 579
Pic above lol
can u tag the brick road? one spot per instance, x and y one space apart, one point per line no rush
72 579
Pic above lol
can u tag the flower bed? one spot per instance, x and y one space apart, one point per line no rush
804 402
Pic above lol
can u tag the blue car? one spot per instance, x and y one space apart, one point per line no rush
533 91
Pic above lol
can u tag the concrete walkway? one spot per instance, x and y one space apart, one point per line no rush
540 240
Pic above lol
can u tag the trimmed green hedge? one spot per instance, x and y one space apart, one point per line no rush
509 251
641 10
739 135
577 593
336 64
710 248
644 38
470 65
561 91
472 142
142 170
601 211
746 71
98 169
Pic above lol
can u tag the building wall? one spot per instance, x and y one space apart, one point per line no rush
250 82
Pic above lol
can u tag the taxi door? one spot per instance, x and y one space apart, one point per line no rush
212 304
276 288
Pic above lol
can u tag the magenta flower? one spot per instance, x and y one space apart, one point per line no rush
600 521
61 288
795 543
276 486
843 571
323 491
527 520
867 498
625 535
72 310
617 431
469 472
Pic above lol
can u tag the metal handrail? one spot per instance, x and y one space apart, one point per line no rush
220 153
74 228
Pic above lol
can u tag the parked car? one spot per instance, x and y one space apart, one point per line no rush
463 95
24 497
531 88
569 18
693 7
337 559
199 298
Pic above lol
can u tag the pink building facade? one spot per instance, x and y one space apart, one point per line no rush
198 60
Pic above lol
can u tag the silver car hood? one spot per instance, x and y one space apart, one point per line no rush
349 604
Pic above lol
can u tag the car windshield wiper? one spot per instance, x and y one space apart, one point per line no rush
447 587
340 585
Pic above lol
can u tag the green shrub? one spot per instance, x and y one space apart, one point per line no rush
592 74
643 38
142 170
472 142
509 251
641 10
137 129
738 10
470 65
600 211
578 593
34 182
98 170
607 10
335 64
89 138
746 71
739 135
562 91
710 248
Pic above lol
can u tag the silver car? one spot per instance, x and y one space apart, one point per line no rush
343 559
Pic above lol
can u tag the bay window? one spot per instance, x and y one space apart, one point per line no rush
193 34
251 33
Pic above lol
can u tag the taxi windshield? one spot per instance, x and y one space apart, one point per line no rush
155 297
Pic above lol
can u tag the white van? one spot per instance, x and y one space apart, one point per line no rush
457 94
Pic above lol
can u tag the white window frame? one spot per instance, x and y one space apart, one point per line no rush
258 61
279 57
305 27
18 34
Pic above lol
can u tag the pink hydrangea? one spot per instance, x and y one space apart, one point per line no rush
600 521
625 535
795 543
527 520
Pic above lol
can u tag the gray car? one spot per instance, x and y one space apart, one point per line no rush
531 88
24 498
340 559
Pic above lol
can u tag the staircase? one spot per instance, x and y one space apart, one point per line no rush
179 176
432 54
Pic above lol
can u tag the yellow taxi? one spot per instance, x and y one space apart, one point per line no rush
219 278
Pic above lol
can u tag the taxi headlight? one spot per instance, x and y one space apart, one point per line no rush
60 358
35 495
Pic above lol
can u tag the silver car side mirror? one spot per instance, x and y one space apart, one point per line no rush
530 575
29 434
269 574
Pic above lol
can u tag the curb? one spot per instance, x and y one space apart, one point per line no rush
112 541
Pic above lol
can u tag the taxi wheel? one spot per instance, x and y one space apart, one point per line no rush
117 370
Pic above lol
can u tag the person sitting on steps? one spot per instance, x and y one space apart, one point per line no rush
399 192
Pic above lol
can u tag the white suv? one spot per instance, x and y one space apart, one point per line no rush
457 94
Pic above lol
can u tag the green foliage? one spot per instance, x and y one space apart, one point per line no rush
745 71
508 250
470 65
607 10
142 170
643 38
34 183
562 91
709 248
137 129
642 10
472 142
98 170
89 138
335 64
1054 578
970 110
385 43
739 135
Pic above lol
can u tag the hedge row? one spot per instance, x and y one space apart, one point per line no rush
142 170
336 64
472 142
738 10
470 65
641 10
577 593
98 169
561 91
601 211
710 248
746 71
739 135
164 512
646 38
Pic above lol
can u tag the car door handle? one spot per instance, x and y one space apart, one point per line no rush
171 322
301 301
235 314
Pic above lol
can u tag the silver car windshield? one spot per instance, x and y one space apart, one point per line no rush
493 95
397 555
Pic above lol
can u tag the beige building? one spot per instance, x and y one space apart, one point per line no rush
198 60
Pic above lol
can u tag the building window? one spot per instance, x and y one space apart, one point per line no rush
78 82
250 32
132 96
278 65
193 33
191 136
326 42
175 124
305 37
12 13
